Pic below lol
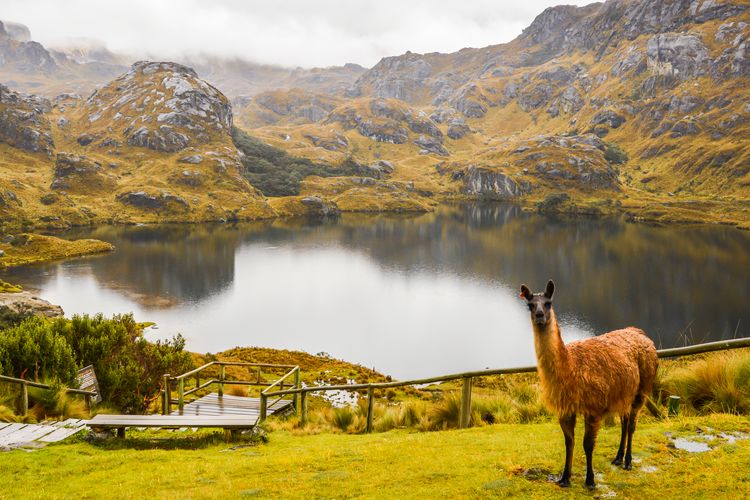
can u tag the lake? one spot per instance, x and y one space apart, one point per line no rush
410 296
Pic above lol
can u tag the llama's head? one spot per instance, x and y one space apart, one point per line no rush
540 304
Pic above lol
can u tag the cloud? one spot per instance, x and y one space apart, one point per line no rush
290 33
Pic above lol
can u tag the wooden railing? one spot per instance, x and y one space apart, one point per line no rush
25 384
264 395
221 381
467 377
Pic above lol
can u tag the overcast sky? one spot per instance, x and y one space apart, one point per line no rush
286 32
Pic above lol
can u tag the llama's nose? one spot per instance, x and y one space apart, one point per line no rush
539 314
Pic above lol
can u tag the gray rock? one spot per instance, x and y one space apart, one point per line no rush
486 182
608 117
15 307
192 159
319 207
458 130
431 145
23 123
683 128
142 199
678 55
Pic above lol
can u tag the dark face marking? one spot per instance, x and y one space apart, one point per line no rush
539 304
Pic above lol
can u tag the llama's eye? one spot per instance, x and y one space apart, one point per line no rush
548 304
531 306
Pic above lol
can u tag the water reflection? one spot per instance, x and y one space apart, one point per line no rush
410 295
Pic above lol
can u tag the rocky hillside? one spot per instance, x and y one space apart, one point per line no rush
640 106
153 145
642 103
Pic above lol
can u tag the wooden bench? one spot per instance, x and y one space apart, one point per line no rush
231 424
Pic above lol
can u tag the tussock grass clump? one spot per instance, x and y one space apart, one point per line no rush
716 383
55 403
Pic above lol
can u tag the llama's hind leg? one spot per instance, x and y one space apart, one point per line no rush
593 424
623 438
568 425
637 404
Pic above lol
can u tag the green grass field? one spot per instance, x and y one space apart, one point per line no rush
504 460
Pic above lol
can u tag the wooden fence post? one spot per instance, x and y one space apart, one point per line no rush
24 399
181 395
263 406
673 406
303 409
297 385
370 407
221 381
465 414
166 405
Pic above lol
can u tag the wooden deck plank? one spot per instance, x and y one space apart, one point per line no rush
11 429
212 404
60 433
27 434
225 421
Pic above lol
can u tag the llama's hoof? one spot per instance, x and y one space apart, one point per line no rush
590 485
617 461
563 482
628 467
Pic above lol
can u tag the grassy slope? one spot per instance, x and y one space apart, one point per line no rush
480 462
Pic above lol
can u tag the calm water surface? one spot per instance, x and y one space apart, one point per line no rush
410 296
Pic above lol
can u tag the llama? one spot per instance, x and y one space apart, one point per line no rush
608 374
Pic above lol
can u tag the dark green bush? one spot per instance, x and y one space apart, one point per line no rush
128 367
614 154
277 173
32 350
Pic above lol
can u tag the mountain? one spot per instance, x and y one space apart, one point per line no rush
82 65
634 106
642 104
153 145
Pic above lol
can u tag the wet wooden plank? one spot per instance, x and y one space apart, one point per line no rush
27 434
226 421
11 429
60 433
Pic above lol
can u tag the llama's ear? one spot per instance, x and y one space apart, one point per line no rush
526 293
550 290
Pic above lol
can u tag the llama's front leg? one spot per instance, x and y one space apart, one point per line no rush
568 425
623 438
589 439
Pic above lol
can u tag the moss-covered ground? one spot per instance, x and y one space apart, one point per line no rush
504 460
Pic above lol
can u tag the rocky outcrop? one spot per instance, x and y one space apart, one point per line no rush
431 145
161 106
399 77
297 103
15 307
487 182
79 174
678 55
23 123
159 201
23 56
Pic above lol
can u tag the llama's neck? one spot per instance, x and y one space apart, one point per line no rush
553 359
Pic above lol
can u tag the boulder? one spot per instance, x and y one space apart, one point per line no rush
609 118
144 200
23 123
431 145
79 174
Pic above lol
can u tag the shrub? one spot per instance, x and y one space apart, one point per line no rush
277 173
614 154
32 350
343 418
128 367
552 202
715 383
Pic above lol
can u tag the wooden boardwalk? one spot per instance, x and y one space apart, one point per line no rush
213 405
17 435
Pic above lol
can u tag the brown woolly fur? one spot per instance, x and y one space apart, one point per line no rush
613 373
597 376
